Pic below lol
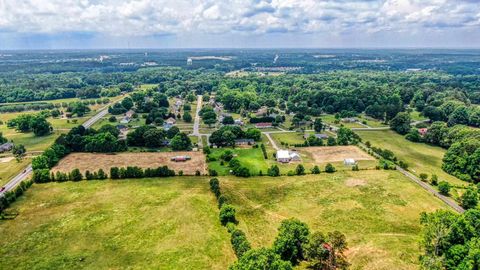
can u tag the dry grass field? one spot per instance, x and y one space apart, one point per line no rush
94 162
336 153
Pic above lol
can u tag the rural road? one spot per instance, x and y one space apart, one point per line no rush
274 145
196 123
24 174
447 200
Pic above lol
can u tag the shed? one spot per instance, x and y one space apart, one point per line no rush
349 161
244 142
263 125
6 147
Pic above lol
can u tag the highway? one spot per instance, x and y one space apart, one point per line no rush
24 174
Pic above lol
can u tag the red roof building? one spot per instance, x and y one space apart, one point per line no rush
423 131
263 125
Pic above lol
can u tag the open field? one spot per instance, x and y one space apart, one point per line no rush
290 138
94 162
378 211
137 224
336 153
421 158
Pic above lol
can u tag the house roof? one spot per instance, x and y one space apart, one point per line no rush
349 160
283 154
263 124
244 140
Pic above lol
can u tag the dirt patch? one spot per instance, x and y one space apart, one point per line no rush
354 182
336 153
94 162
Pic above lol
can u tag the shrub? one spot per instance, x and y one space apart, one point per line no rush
273 171
227 214
423 177
197 173
101 175
41 176
434 180
355 167
329 168
315 170
290 173
76 175
114 173
264 151
212 172
215 186
444 188
221 200
300 170
239 242
469 199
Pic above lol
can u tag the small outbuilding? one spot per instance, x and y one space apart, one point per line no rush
6 147
349 161
263 125
285 156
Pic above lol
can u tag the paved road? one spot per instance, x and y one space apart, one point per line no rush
24 174
196 123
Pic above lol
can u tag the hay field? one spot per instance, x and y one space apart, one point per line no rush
94 161
336 153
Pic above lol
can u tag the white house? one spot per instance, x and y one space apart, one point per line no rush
286 156
349 161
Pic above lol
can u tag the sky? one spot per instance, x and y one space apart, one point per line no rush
90 24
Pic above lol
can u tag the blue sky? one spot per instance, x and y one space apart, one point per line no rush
87 24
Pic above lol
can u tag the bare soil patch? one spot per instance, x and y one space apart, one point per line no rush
94 161
336 153
354 182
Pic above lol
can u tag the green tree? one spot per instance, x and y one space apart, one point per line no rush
154 137
41 126
329 168
273 171
172 132
75 175
444 188
315 170
228 120
469 199
292 236
326 252
227 214
262 258
187 117
300 170
401 123
181 142
127 103
318 125
19 152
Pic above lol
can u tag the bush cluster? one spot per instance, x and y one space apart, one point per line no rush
11 196
227 217
137 172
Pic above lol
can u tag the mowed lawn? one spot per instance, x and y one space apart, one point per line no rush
9 167
135 224
378 211
421 158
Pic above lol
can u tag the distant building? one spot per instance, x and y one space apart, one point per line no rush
349 120
285 156
244 142
180 158
171 121
263 125
189 61
238 122
167 126
6 147
318 136
125 120
130 113
349 161
423 131
262 111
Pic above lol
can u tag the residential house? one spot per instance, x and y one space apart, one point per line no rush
244 142
285 156
263 125
6 147
262 111
171 121
238 122
318 136
423 131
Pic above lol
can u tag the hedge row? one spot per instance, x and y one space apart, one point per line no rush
11 196
44 175
238 238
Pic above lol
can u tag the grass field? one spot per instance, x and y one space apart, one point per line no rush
94 162
421 158
135 224
10 167
290 138
377 210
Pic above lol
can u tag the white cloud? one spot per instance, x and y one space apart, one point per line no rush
244 17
